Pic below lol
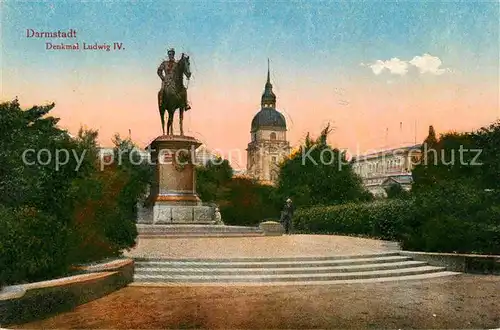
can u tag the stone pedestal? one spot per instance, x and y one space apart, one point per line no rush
173 192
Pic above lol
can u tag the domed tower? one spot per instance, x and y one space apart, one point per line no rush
268 145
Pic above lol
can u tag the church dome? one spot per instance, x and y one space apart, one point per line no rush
268 117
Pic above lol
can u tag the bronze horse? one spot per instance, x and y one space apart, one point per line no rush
174 96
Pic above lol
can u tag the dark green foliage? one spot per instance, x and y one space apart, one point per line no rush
33 245
247 203
319 175
24 133
381 219
242 201
137 175
454 217
211 179
458 156
487 139
395 191
457 197
57 215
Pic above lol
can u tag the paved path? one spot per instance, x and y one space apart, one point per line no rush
258 247
458 302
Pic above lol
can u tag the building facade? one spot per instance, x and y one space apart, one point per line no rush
268 144
387 167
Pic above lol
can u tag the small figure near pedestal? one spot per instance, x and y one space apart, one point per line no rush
218 217
286 216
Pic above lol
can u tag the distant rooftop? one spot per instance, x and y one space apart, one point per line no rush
387 152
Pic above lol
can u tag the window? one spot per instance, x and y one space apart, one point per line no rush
273 136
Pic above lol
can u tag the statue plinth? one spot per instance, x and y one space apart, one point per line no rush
173 192
175 176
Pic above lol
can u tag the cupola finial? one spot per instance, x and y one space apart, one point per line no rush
268 98
268 76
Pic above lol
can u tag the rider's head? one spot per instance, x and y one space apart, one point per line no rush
171 54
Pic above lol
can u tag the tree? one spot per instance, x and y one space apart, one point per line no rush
247 202
319 174
57 207
242 201
487 148
211 179
453 157
429 146
457 197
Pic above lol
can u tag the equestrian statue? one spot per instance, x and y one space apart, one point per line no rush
173 94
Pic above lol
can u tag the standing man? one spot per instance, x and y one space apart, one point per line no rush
166 73
287 214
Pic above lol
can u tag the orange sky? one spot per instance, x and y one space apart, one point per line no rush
360 112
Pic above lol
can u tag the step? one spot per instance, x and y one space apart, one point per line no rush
266 264
425 276
195 228
287 277
194 231
197 235
393 255
275 271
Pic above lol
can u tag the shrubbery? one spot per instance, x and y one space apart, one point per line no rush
242 201
454 217
53 216
247 203
451 217
33 245
380 219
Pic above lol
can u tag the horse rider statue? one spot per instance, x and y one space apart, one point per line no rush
173 94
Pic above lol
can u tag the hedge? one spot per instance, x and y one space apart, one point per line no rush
452 219
33 246
379 219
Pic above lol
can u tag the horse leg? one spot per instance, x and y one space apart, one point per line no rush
181 118
170 122
162 111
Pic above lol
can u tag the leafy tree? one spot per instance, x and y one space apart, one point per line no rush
430 144
107 209
242 201
212 178
454 158
56 206
319 174
246 202
487 144
457 196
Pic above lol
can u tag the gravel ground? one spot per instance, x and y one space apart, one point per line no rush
256 247
464 301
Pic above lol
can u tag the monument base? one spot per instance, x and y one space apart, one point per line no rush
169 213
173 198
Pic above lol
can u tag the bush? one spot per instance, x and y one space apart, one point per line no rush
52 217
102 225
454 217
380 219
211 179
33 245
247 203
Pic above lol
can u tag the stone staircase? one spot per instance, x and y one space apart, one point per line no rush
390 266
198 230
